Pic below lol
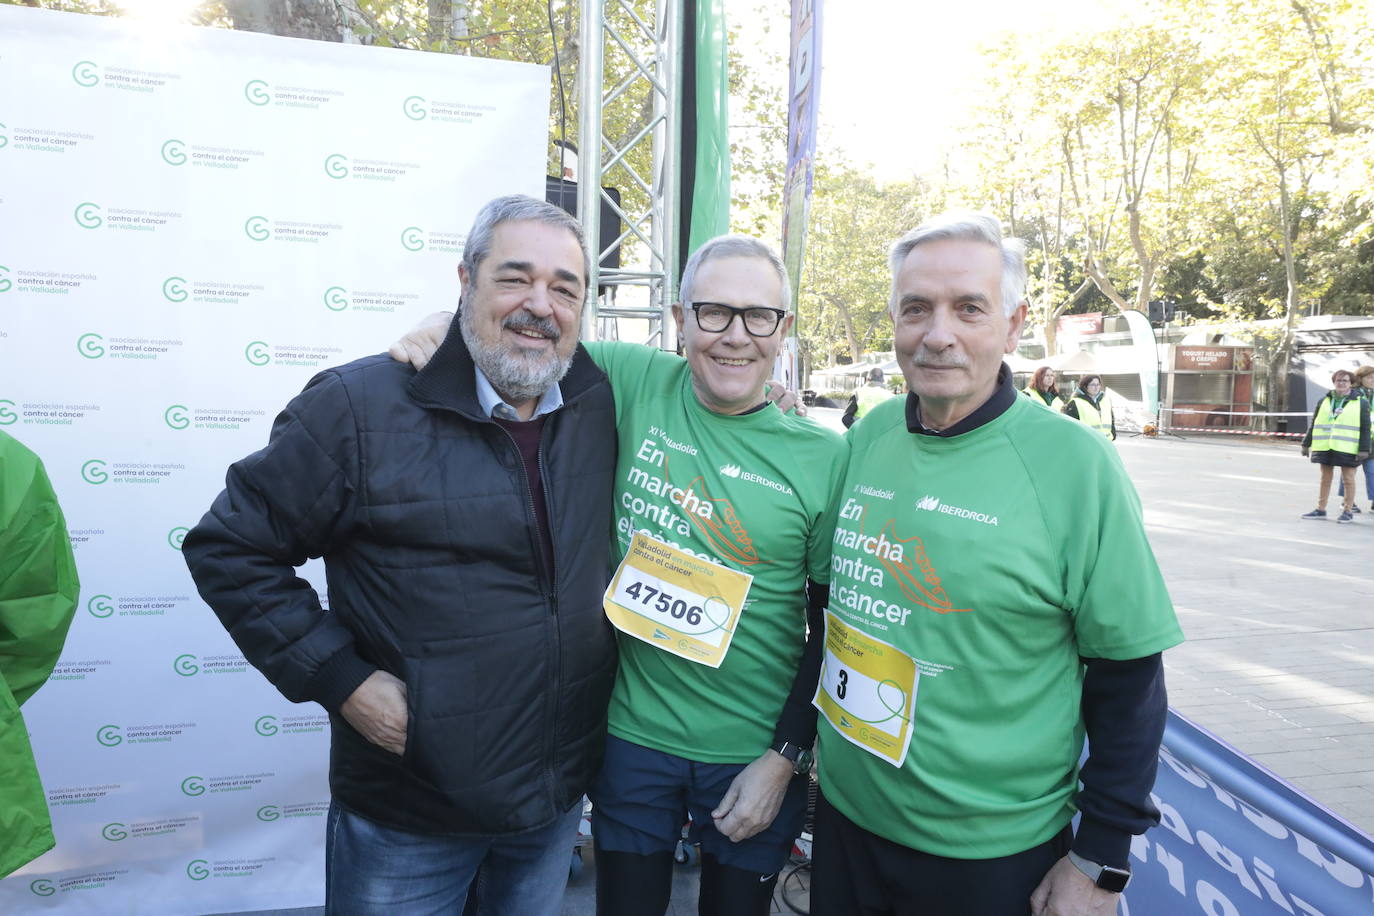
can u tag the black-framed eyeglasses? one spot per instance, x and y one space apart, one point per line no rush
758 320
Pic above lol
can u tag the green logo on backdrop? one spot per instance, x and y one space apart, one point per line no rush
99 606
88 345
266 726
257 354
4 138
174 152
192 786
86 73
175 416
415 108
114 832
42 887
336 298
94 472
255 227
87 215
7 416
196 870
176 536
174 290
4 279
256 92
413 238
269 813
108 735
185 665
336 165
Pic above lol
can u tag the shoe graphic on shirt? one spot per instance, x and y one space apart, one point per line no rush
914 572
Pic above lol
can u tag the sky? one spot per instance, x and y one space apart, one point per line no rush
896 74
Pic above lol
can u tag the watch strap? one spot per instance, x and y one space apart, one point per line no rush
795 754
1106 877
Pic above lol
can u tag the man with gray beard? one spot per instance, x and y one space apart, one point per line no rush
464 658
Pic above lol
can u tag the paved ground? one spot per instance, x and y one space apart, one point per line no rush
1279 611
1279 614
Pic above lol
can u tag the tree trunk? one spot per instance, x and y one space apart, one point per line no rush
1104 283
1278 370
850 338
1148 263
448 21
316 19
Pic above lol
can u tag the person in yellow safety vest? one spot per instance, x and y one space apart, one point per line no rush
1042 390
1338 437
872 393
1364 388
1091 405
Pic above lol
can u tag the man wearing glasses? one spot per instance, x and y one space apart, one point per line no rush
711 708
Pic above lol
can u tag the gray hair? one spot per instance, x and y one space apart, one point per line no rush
968 227
734 246
517 208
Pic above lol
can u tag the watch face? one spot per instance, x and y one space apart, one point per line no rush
1113 879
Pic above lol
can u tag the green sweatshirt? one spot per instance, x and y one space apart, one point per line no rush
38 592
754 492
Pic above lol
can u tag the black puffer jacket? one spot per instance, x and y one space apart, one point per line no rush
419 506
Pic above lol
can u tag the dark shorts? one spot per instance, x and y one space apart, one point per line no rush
858 873
643 797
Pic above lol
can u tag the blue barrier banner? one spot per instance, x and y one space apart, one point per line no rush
1235 840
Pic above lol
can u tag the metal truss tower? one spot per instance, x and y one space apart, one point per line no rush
649 54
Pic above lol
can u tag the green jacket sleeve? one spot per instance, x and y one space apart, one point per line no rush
38 583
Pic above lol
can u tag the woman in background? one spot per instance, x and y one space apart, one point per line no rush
1091 405
1042 390
1364 388
1338 437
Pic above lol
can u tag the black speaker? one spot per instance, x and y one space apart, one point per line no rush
562 193
1161 310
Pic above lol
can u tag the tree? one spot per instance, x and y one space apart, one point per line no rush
1285 84
846 282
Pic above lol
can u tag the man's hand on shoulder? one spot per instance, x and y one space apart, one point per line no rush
420 342
1066 891
784 398
377 711
754 797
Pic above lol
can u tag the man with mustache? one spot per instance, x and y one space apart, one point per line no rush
464 658
1027 608
710 718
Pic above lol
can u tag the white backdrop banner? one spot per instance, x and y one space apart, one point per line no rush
192 223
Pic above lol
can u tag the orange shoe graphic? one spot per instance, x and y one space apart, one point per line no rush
716 519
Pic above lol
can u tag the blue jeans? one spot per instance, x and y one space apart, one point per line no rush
371 869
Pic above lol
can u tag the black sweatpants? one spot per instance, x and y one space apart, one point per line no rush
857 873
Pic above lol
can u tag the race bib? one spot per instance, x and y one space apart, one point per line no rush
676 601
867 691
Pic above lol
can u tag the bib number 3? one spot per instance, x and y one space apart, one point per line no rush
867 691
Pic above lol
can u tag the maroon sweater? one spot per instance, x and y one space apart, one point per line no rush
526 436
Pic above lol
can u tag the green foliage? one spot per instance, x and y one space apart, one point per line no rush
1216 152
845 281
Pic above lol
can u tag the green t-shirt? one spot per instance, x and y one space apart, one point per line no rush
1006 576
771 481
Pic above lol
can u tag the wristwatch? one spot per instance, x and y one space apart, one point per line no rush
800 757
1104 876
